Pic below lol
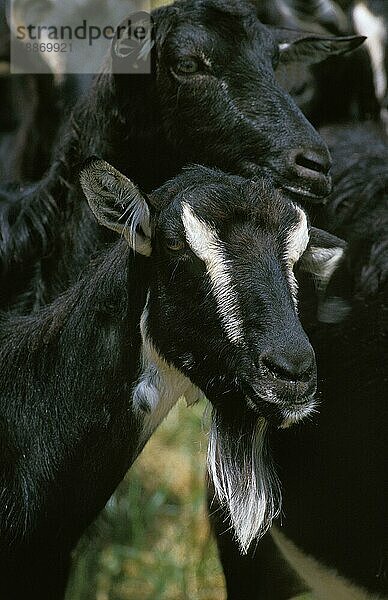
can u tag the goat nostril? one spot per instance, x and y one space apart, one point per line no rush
298 368
277 371
312 162
302 161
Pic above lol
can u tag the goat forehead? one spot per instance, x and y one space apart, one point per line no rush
245 234
198 26
234 37
227 9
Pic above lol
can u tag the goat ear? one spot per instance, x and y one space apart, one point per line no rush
322 256
117 203
313 49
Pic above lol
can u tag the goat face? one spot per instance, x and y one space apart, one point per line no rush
222 294
221 314
225 249
221 103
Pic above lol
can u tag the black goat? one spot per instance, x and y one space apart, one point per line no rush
211 98
212 82
207 302
334 472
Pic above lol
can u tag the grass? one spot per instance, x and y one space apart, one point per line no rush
152 542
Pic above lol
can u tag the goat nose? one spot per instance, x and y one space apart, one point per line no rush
310 163
290 366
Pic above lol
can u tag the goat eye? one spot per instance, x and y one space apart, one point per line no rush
175 245
187 66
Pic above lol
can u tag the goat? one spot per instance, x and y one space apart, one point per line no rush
216 49
206 305
333 537
211 98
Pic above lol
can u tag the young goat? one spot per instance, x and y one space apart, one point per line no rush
206 305
211 98
334 533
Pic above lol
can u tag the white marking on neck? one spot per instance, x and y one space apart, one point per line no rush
368 24
296 244
159 386
325 583
205 243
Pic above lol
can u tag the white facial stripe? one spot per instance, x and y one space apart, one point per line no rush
368 24
204 242
297 240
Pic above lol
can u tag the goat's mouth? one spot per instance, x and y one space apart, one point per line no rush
307 193
314 189
313 186
292 404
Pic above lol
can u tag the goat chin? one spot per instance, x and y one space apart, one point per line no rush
243 475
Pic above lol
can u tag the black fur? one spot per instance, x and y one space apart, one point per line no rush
68 436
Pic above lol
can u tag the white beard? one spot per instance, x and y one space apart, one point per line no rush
244 478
